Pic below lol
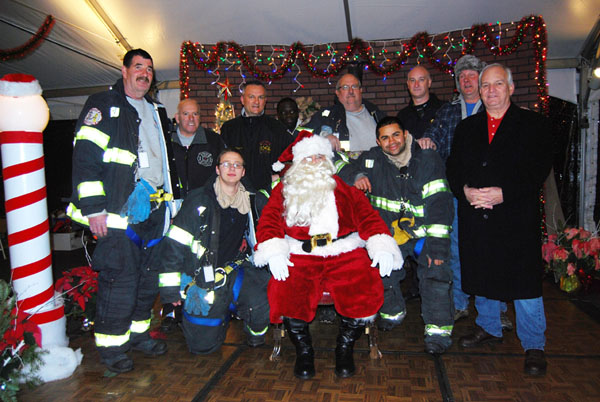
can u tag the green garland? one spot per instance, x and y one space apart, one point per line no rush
192 53
29 46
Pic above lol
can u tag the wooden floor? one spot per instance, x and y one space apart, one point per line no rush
406 373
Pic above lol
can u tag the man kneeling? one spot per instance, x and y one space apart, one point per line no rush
204 262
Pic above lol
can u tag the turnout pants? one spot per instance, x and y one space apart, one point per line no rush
127 287
243 294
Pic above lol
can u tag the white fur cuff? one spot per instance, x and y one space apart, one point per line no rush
384 242
270 248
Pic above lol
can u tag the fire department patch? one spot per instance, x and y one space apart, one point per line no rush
93 117
205 159
264 147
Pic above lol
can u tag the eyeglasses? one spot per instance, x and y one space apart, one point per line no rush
347 87
235 165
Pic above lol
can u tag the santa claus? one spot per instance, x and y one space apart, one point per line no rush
318 234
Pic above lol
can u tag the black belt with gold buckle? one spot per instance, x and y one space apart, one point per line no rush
319 240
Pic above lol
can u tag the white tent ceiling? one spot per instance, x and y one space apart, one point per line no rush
81 52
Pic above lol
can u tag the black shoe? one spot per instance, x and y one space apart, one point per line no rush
299 334
151 347
535 362
255 341
477 338
435 348
119 364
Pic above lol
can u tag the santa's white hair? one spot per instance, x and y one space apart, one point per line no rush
305 190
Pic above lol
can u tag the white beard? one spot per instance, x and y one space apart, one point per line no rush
307 189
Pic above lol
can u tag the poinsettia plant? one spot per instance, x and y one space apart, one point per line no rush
572 256
19 346
79 287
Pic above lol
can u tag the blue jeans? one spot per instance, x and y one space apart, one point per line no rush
531 320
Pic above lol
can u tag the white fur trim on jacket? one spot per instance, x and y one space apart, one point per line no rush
271 248
384 242
314 145
277 166
345 245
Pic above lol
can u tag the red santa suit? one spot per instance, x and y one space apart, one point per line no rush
342 268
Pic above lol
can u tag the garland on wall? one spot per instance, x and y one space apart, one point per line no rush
33 42
383 63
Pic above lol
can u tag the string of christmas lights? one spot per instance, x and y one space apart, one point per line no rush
393 55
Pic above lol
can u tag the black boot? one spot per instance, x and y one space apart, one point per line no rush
350 331
305 354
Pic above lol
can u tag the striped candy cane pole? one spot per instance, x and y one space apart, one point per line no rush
23 116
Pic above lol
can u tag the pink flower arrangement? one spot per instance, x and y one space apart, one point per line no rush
572 256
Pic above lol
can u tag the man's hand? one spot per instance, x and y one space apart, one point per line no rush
426 143
385 261
363 184
485 197
335 142
98 225
435 262
278 265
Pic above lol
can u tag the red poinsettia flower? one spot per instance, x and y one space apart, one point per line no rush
571 232
579 248
560 254
548 250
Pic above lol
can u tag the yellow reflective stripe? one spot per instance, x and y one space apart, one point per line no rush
431 329
94 135
395 317
113 221
441 231
275 182
198 248
339 164
90 189
106 341
264 192
180 236
396 205
300 128
435 186
139 327
257 333
169 279
420 232
117 155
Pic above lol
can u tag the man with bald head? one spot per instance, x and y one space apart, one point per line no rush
418 115
350 123
195 148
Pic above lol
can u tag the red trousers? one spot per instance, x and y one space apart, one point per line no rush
355 286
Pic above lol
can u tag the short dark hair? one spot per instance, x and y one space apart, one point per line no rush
135 52
228 151
253 82
286 100
387 121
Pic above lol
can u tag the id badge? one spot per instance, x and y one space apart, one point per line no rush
143 158
209 273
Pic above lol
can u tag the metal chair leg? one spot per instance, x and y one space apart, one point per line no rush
371 331
278 335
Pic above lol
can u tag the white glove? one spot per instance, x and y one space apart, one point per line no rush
278 265
385 261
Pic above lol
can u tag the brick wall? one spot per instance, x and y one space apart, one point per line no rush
390 95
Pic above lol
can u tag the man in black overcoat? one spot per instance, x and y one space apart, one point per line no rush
497 166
